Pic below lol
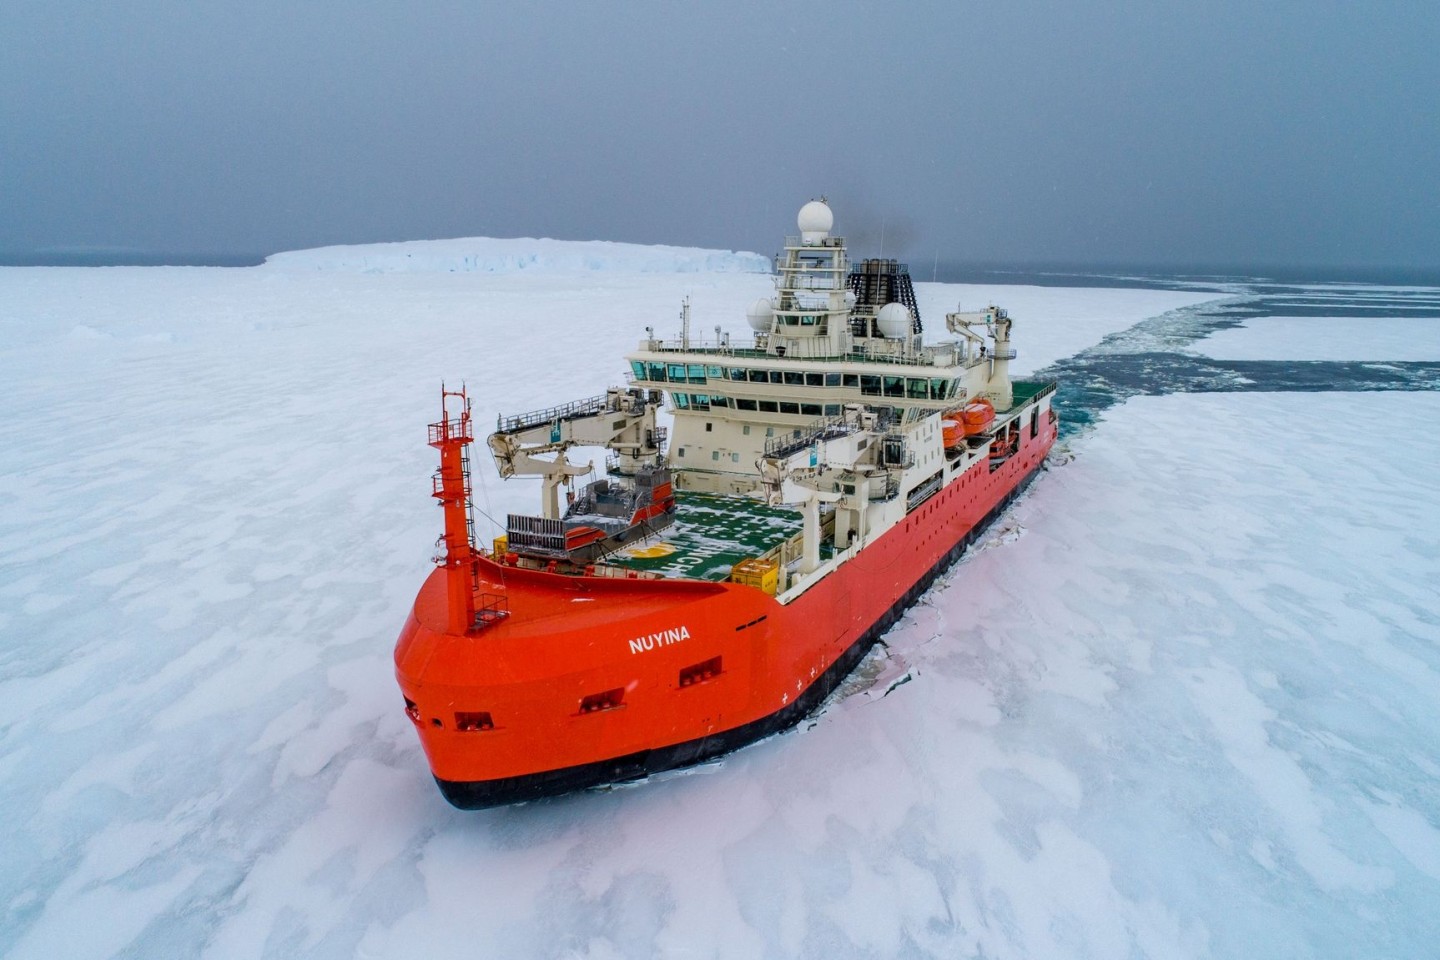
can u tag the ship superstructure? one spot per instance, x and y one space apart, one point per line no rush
721 580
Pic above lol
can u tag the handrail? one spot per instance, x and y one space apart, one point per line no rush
535 418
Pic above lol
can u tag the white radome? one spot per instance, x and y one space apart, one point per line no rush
893 320
815 221
760 315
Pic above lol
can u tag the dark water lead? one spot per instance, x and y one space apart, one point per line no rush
1089 385
1151 357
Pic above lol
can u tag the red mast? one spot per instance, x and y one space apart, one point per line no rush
451 486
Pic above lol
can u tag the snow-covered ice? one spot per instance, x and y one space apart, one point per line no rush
1183 702
1051 322
491 255
1328 338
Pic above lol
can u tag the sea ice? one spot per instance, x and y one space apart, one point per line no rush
1327 338
1190 711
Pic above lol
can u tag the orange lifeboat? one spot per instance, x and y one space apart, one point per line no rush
976 416
952 433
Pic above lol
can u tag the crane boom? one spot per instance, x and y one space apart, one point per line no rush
622 420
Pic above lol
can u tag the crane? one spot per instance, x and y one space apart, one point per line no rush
622 420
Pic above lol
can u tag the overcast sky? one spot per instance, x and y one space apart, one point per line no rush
1233 132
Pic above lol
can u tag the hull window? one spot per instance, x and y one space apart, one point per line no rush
473 722
700 672
608 700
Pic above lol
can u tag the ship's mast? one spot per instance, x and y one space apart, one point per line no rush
451 486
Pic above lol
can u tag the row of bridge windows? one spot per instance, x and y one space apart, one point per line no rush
872 385
706 401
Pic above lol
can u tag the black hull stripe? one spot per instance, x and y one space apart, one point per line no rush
479 794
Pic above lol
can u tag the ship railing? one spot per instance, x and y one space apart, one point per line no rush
566 411
535 534
456 428
490 609
888 491
437 485
829 241
693 345
621 573
826 428
940 355
1044 391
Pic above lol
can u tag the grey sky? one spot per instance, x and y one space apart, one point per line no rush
1171 134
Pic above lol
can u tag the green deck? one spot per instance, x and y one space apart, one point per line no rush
1026 390
710 535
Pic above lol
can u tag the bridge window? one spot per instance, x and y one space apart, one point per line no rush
777 376
744 404
677 372
657 372
814 379
917 389
639 369
682 401
832 409
832 379
717 373
810 409
759 376
700 401
894 386
852 380
793 379
938 389
697 373
790 408
768 406
870 386
737 373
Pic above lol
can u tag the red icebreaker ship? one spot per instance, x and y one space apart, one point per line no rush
725 575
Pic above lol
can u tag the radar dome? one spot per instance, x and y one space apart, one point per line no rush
815 221
893 320
760 315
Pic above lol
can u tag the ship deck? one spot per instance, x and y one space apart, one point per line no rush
709 536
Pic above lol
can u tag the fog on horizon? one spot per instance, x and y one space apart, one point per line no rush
1167 134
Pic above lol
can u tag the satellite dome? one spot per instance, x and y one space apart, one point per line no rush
893 320
815 221
760 315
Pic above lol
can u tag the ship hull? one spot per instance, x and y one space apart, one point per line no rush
574 642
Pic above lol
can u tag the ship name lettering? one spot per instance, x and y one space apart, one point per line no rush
662 639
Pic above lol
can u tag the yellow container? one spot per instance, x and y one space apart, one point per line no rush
760 574
502 547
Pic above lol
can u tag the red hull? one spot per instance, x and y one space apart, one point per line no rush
592 679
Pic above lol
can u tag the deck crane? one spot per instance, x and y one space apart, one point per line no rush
621 420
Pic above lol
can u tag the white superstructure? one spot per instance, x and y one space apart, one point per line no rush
838 406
